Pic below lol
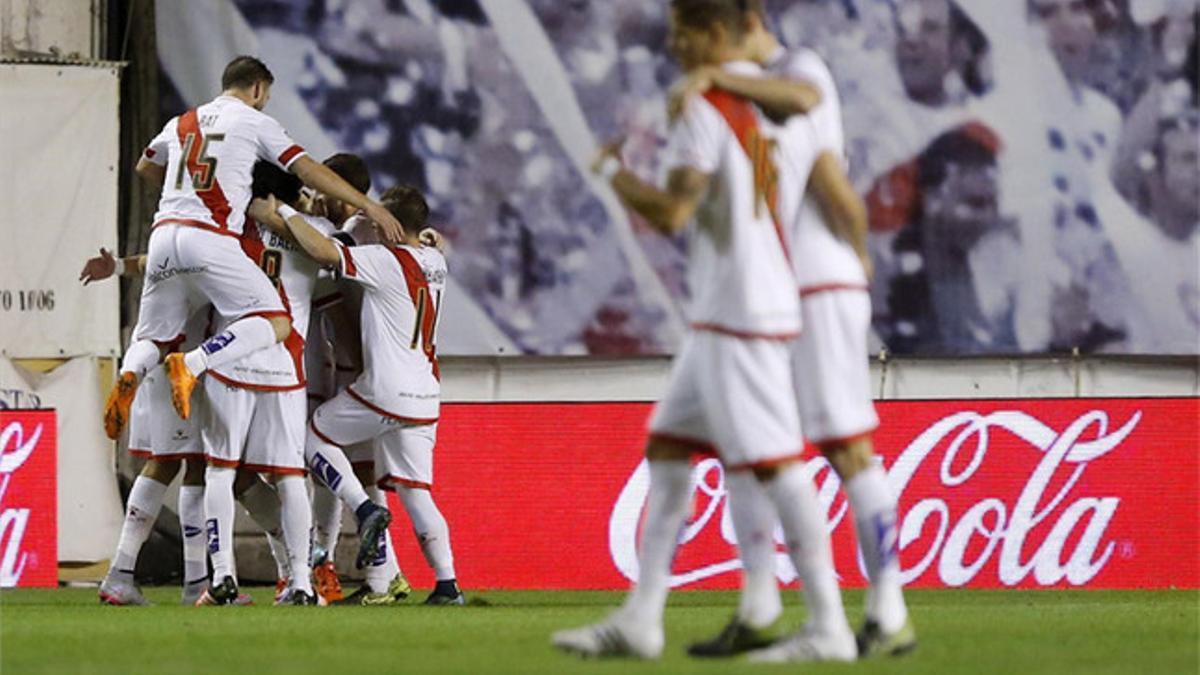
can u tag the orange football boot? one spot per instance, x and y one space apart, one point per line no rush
328 586
182 383
116 409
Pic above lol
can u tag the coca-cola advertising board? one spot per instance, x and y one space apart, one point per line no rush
28 498
1094 493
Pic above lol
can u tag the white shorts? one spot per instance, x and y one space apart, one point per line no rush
402 453
731 396
188 267
831 372
261 431
155 430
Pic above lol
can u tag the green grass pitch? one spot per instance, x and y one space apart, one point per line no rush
961 631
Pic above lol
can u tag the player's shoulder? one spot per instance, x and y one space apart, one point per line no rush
322 225
431 260
805 62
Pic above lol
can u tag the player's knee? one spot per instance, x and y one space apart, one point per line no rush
657 451
848 458
193 474
282 326
161 470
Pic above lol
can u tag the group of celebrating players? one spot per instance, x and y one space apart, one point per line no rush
780 318
237 254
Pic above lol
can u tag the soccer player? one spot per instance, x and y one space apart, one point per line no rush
168 443
730 388
831 375
257 408
395 402
203 161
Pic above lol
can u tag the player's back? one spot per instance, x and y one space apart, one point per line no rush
403 289
819 257
738 265
211 151
295 275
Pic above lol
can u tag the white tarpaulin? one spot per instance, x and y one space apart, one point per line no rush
59 133
89 507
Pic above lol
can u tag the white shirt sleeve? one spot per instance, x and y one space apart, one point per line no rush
156 150
274 144
366 265
696 139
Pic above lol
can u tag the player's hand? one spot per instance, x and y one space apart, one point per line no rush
264 211
431 237
609 149
695 83
101 267
388 226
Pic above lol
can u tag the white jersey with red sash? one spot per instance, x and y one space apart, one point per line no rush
403 289
209 153
740 275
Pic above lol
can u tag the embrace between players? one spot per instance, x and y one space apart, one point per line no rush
235 258
780 316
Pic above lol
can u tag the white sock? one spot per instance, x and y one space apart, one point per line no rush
243 337
874 508
261 501
145 500
327 519
754 525
140 358
218 524
431 529
297 520
795 499
191 523
666 512
329 465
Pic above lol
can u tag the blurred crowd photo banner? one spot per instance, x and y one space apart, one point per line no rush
59 131
28 498
1072 225
1051 493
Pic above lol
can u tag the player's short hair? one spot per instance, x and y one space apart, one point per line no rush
269 179
352 169
408 205
244 72
702 14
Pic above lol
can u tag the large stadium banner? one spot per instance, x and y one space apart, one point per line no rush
59 133
28 498
1030 167
1072 493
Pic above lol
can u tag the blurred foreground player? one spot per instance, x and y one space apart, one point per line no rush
203 160
730 388
830 367
396 400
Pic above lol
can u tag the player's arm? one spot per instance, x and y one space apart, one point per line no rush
322 179
106 265
845 212
779 97
667 211
286 221
153 174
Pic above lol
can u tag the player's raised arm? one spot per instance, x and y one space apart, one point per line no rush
322 179
845 212
287 221
667 211
106 265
